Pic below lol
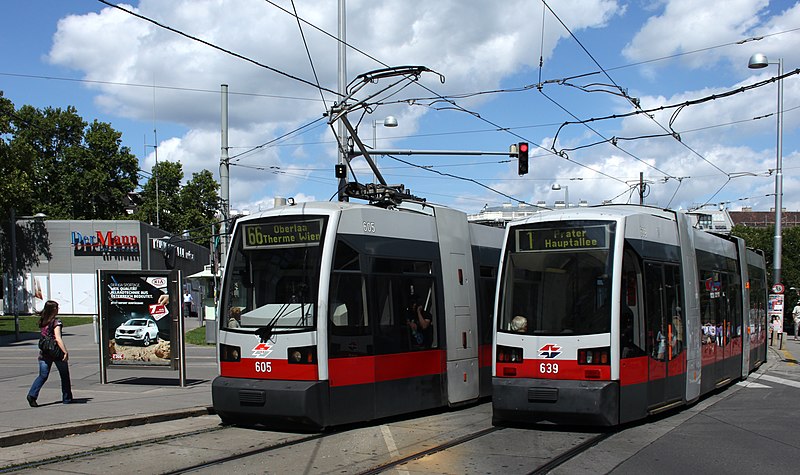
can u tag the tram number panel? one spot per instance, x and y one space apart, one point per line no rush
548 368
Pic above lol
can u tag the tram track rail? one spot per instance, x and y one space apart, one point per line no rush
375 466
568 455
423 453
104 450
249 453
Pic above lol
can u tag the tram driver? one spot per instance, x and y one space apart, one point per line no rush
420 322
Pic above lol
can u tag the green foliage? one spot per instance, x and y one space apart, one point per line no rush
166 211
197 336
31 323
191 208
764 239
53 162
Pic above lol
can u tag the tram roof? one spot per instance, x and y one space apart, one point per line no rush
327 207
605 211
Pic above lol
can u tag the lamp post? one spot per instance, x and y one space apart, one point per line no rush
389 121
557 187
758 61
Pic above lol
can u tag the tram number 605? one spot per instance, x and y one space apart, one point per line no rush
263 366
548 368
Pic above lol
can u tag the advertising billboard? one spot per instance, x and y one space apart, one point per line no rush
138 311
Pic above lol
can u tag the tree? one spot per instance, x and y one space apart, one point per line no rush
16 191
165 211
104 171
764 239
74 171
200 202
191 207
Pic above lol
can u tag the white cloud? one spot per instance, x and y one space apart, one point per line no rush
477 46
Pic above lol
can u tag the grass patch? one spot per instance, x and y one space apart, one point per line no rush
197 336
30 323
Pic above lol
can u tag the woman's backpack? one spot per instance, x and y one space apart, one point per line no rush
49 345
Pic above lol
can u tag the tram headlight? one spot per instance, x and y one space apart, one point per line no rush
509 354
229 353
594 356
302 355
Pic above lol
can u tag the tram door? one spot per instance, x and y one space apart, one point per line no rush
664 331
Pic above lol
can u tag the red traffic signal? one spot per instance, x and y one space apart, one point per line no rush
522 158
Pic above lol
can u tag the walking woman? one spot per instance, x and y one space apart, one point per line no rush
51 326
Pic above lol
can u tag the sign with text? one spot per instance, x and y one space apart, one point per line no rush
135 313
775 312
562 238
282 234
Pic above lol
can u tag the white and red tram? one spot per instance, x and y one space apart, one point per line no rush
609 314
314 310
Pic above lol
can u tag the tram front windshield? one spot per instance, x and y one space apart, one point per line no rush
557 279
273 274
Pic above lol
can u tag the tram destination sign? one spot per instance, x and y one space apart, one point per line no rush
566 238
276 234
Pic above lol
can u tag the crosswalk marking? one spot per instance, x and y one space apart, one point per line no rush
754 385
775 379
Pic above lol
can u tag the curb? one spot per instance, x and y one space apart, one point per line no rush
93 425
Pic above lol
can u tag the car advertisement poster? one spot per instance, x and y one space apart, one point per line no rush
136 314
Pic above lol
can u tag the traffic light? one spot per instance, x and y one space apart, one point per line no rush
522 158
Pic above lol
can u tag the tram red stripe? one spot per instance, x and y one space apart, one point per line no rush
633 370
255 368
553 369
373 369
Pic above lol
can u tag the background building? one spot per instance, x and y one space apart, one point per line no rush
69 253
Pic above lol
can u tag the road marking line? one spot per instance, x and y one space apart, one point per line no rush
787 382
750 384
387 437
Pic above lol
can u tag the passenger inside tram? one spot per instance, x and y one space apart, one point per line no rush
519 324
235 317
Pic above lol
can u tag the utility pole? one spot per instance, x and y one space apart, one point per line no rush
342 89
224 177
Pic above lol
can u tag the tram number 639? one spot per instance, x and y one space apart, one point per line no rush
263 366
548 368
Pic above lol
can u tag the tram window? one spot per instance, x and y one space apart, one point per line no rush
714 286
632 341
654 310
346 306
558 293
284 290
346 257
486 288
394 298
673 296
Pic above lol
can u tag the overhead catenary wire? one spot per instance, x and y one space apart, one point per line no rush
635 103
219 48
444 98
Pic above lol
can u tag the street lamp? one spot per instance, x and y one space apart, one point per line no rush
557 187
389 121
758 61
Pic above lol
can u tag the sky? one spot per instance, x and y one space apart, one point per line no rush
605 92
